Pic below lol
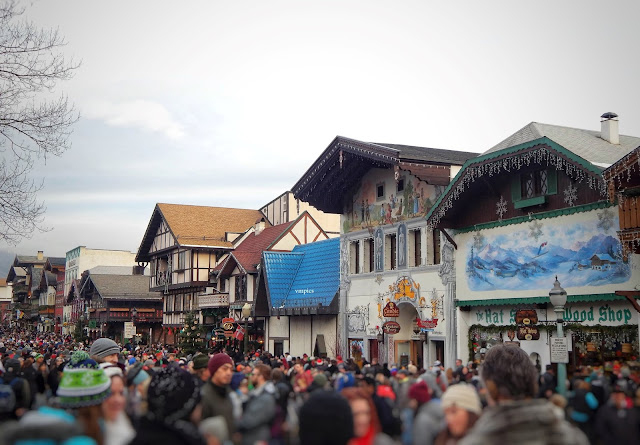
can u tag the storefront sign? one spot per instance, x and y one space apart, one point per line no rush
605 314
391 327
427 324
391 310
526 317
528 333
559 350
129 329
227 324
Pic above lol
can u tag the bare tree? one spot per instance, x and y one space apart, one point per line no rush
33 124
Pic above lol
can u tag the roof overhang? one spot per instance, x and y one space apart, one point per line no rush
538 300
542 151
340 167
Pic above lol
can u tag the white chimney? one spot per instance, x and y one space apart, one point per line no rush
609 128
40 255
259 227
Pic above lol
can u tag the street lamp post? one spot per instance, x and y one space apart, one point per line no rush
558 297
246 313
134 314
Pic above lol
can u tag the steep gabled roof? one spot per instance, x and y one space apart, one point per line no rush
123 287
249 252
345 161
198 226
542 151
308 276
585 143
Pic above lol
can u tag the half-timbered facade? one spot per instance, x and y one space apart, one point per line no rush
237 276
183 244
387 254
532 209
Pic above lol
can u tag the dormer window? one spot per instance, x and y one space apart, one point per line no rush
532 187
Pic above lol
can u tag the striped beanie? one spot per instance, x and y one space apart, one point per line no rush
83 382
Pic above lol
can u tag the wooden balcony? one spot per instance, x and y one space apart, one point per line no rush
214 300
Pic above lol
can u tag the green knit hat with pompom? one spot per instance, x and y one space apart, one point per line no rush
83 383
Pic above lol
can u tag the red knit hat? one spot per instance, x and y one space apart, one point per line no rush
218 360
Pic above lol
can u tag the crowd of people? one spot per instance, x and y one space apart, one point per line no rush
56 391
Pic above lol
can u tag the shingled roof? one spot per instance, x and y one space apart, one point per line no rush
249 252
123 287
587 144
198 226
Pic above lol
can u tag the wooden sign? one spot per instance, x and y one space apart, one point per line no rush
227 324
526 316
391 310
528 333
391 327
427 324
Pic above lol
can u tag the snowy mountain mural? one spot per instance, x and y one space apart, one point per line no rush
583 254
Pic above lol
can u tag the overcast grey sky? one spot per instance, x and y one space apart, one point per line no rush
227 103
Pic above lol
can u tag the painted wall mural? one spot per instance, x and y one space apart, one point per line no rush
400 200
587 253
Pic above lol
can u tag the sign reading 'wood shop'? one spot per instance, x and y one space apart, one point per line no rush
391 310
391 327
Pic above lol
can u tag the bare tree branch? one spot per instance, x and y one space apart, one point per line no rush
31 124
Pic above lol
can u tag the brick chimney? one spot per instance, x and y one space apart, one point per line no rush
609 128
259 227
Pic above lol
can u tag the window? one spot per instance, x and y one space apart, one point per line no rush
182 260
241 287
369 256
354 257
436 247
533 184
390 250
221 284
532 187
415 248
380 191
400 186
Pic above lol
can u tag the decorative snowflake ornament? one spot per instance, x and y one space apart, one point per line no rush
571 195
501 208
535 230
606 219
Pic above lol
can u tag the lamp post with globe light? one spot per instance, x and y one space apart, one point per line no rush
558 297
246 313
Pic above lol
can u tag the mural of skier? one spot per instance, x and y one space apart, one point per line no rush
582 254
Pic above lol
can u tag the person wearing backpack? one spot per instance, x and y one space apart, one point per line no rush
19 386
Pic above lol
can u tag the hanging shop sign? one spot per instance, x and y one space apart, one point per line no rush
528 333
427 324
391 310
391 327
526 316
227 324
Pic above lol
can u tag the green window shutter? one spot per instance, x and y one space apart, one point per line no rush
552 181
516 192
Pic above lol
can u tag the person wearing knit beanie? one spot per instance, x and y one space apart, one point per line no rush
463 396
105 350
172 397
419 391
200 368
325 419
83 382
217 361
462 408
216 393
